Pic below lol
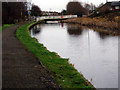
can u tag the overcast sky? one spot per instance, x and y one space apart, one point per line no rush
58 5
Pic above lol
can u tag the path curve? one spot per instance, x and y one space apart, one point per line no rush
20 68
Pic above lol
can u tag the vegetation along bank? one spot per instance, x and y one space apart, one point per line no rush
96 22
63 72
6 26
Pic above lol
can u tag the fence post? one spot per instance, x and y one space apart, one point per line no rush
119 24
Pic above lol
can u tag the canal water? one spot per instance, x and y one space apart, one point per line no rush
94 54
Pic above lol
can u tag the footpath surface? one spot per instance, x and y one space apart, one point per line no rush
20 68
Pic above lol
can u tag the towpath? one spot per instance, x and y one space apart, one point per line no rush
20 68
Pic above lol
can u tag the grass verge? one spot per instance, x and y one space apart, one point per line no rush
6 26
64 73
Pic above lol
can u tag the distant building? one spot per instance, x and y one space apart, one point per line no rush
115 6
47 13
109 6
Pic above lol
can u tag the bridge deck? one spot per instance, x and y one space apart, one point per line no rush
53 18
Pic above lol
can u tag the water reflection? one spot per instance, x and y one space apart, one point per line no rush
107 31
52 22
73 29
62 25
36 29
93 52
76 29
103 35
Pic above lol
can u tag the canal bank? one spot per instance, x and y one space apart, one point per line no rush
97 22
64 73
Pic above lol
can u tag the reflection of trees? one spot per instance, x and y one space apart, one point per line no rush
36 29
74 29
103 35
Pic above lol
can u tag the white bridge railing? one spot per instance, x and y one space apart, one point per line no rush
55 17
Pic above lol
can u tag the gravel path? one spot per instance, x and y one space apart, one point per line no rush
20 68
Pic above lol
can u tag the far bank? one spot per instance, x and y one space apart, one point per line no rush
96 22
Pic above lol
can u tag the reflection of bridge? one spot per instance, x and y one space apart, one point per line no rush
54 18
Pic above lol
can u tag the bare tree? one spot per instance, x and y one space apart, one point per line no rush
12 11
4 13
101 4
63 12
75 8
35 11
87 7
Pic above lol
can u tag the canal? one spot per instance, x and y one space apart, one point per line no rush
94 54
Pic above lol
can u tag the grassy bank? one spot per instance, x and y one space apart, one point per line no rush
6 26
64 73
96 22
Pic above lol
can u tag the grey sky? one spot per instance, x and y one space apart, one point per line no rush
58 5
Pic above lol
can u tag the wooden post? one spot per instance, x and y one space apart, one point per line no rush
119 24
117 19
